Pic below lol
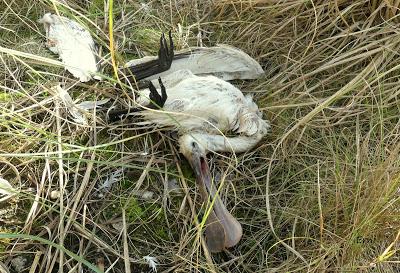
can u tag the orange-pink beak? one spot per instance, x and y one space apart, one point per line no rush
222 229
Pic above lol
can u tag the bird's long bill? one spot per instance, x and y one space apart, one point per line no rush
222 229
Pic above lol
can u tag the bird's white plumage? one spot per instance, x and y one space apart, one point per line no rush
223 61
205 106
74 45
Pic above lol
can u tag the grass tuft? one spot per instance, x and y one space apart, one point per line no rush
319 194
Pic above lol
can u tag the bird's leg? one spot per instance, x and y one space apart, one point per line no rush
115 115
157 101
165 54
156 66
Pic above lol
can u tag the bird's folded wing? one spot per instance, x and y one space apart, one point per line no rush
223 61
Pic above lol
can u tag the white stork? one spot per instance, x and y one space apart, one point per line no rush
200 108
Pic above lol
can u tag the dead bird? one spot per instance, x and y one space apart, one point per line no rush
201 109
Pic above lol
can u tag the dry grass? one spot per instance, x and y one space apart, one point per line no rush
319 194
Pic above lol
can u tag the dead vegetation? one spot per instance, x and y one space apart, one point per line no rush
319 194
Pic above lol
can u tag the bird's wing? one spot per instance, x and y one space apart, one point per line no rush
174 78
75 46
145 59
182 114
223 61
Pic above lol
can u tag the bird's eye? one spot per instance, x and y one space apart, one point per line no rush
193 144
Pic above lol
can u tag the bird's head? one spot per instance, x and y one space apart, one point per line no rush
195 153
222 229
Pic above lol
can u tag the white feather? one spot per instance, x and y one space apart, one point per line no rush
152 262
111 179
207 105
74 45
223 61
5 187
77 113
89 105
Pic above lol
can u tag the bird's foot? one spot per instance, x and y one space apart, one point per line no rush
157 100
165 53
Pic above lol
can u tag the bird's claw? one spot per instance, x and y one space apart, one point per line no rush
157 100
165 53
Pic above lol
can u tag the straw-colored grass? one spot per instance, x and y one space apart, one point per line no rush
319 194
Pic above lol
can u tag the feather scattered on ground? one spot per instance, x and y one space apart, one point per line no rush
152 262
74 45
6 189
113 178
77 111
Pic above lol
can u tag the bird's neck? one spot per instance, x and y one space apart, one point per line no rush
219 143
